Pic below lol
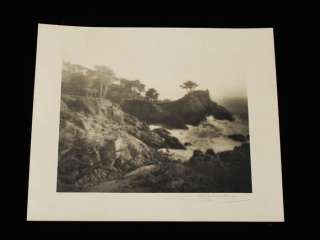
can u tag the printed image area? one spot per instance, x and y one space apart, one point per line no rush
122 134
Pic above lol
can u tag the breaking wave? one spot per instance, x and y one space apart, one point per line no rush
210 133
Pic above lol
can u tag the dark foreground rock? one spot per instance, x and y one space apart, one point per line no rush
99 142
152 113
199 156
239 164
205 172
169 141
238 137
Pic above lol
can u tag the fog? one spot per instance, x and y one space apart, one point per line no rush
164 58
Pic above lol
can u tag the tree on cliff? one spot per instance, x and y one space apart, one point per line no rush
102 77
189 85
74 79
152 94
76 85
69 70
135 85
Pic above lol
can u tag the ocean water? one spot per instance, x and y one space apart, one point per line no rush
210 133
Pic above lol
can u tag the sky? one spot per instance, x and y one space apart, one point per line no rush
164 58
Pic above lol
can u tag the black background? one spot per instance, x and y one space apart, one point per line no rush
25 32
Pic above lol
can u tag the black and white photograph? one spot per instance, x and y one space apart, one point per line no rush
154 111
155 124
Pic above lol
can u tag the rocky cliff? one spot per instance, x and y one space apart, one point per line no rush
98 142
104 149
190 109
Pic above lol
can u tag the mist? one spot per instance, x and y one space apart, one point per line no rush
165 58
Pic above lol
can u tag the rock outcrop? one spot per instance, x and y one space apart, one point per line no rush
190 109
238 137
152 113
98 141
195 106
169 141
199 156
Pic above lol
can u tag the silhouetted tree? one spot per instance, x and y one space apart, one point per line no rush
189 85
135 85
138 86
152 94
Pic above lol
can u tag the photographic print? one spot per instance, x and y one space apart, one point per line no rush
155 124
168 114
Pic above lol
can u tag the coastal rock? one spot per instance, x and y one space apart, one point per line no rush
97 134
199 156
169 141
193 108
148 137
148 169
238 137
152 113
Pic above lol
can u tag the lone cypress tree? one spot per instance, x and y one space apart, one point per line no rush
189 85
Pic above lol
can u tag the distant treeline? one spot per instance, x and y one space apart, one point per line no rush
102 82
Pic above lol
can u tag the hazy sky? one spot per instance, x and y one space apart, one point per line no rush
164 58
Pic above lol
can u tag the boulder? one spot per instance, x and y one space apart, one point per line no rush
131 150
197 156
238 137
169 141
149 137
143 170
107 152
210 153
